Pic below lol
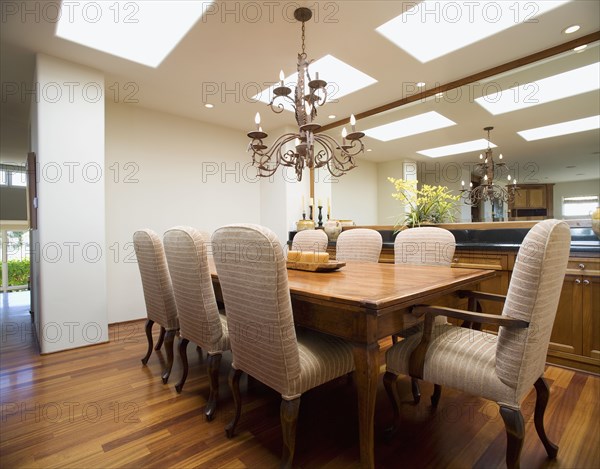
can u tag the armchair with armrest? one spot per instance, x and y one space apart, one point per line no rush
501 368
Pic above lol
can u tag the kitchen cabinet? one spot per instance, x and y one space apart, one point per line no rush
532 201
575 339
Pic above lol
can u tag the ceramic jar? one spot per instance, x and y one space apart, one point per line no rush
302 225
332 228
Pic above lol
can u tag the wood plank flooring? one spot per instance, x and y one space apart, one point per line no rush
98 407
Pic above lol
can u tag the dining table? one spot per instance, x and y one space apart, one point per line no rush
363 303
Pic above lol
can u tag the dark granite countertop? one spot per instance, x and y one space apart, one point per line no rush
583 240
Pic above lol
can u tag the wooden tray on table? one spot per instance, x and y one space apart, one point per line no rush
315 266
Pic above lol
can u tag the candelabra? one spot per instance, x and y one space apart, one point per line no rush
338 158
487 190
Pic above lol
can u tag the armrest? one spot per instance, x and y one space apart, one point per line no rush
479 295
417 358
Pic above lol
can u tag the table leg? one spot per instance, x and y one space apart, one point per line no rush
366 361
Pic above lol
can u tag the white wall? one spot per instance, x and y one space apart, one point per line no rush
573 189
13 141
354 195
162 171
389 209
69 141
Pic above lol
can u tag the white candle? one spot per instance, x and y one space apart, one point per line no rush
257 120
302 203
281 77
311 202
320 202
353 122
344 133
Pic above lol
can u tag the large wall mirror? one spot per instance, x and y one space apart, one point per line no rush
570 162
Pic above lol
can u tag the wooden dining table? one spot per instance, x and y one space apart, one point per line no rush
363 303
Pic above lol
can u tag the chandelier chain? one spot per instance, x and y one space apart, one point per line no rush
303 39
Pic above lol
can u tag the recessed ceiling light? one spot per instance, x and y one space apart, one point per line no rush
439 95
457 148
332 116
459 23
580 48
347 80
209 106
421 84
369 149
566 84
571 29
562 128
135 36
410 126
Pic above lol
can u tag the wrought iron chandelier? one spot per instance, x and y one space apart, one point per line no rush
339 158
488 170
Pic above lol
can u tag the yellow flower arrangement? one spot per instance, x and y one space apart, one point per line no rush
430 204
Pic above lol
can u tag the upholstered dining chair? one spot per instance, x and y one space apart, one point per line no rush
426 245
252 273
310 240
502 368
199 317
359 244
158 294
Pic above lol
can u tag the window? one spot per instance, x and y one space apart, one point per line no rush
578 207
13 175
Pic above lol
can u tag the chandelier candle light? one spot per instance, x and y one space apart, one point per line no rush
338 158
487 190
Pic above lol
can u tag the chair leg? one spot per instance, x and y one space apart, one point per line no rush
161 338
184 361
515 432
169 339
435 397
149 324
289 419
416 392
390 381
234 385
214 362
543 394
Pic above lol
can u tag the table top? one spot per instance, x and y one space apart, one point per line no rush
378 286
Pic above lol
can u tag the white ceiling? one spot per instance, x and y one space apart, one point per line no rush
237 48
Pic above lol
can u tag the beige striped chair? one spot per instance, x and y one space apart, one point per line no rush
501 368
199 317
158 294
265 345
310 240
426 245
359 244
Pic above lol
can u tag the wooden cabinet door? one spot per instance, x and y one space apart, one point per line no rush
590 287
537 197
520 198
566 333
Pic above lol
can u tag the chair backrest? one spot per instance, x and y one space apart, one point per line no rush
359 244
254 281
156 282
310 240
425 245
533 296
186 252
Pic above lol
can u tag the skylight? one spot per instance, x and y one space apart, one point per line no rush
342 78
562 128
410 126
142 31
566 84
457 148
431 29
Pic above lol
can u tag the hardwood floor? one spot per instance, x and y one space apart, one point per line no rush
98 407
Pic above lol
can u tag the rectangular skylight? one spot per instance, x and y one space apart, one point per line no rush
562 128
142 31
566 84
410 126
431 29
457 148
342 79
